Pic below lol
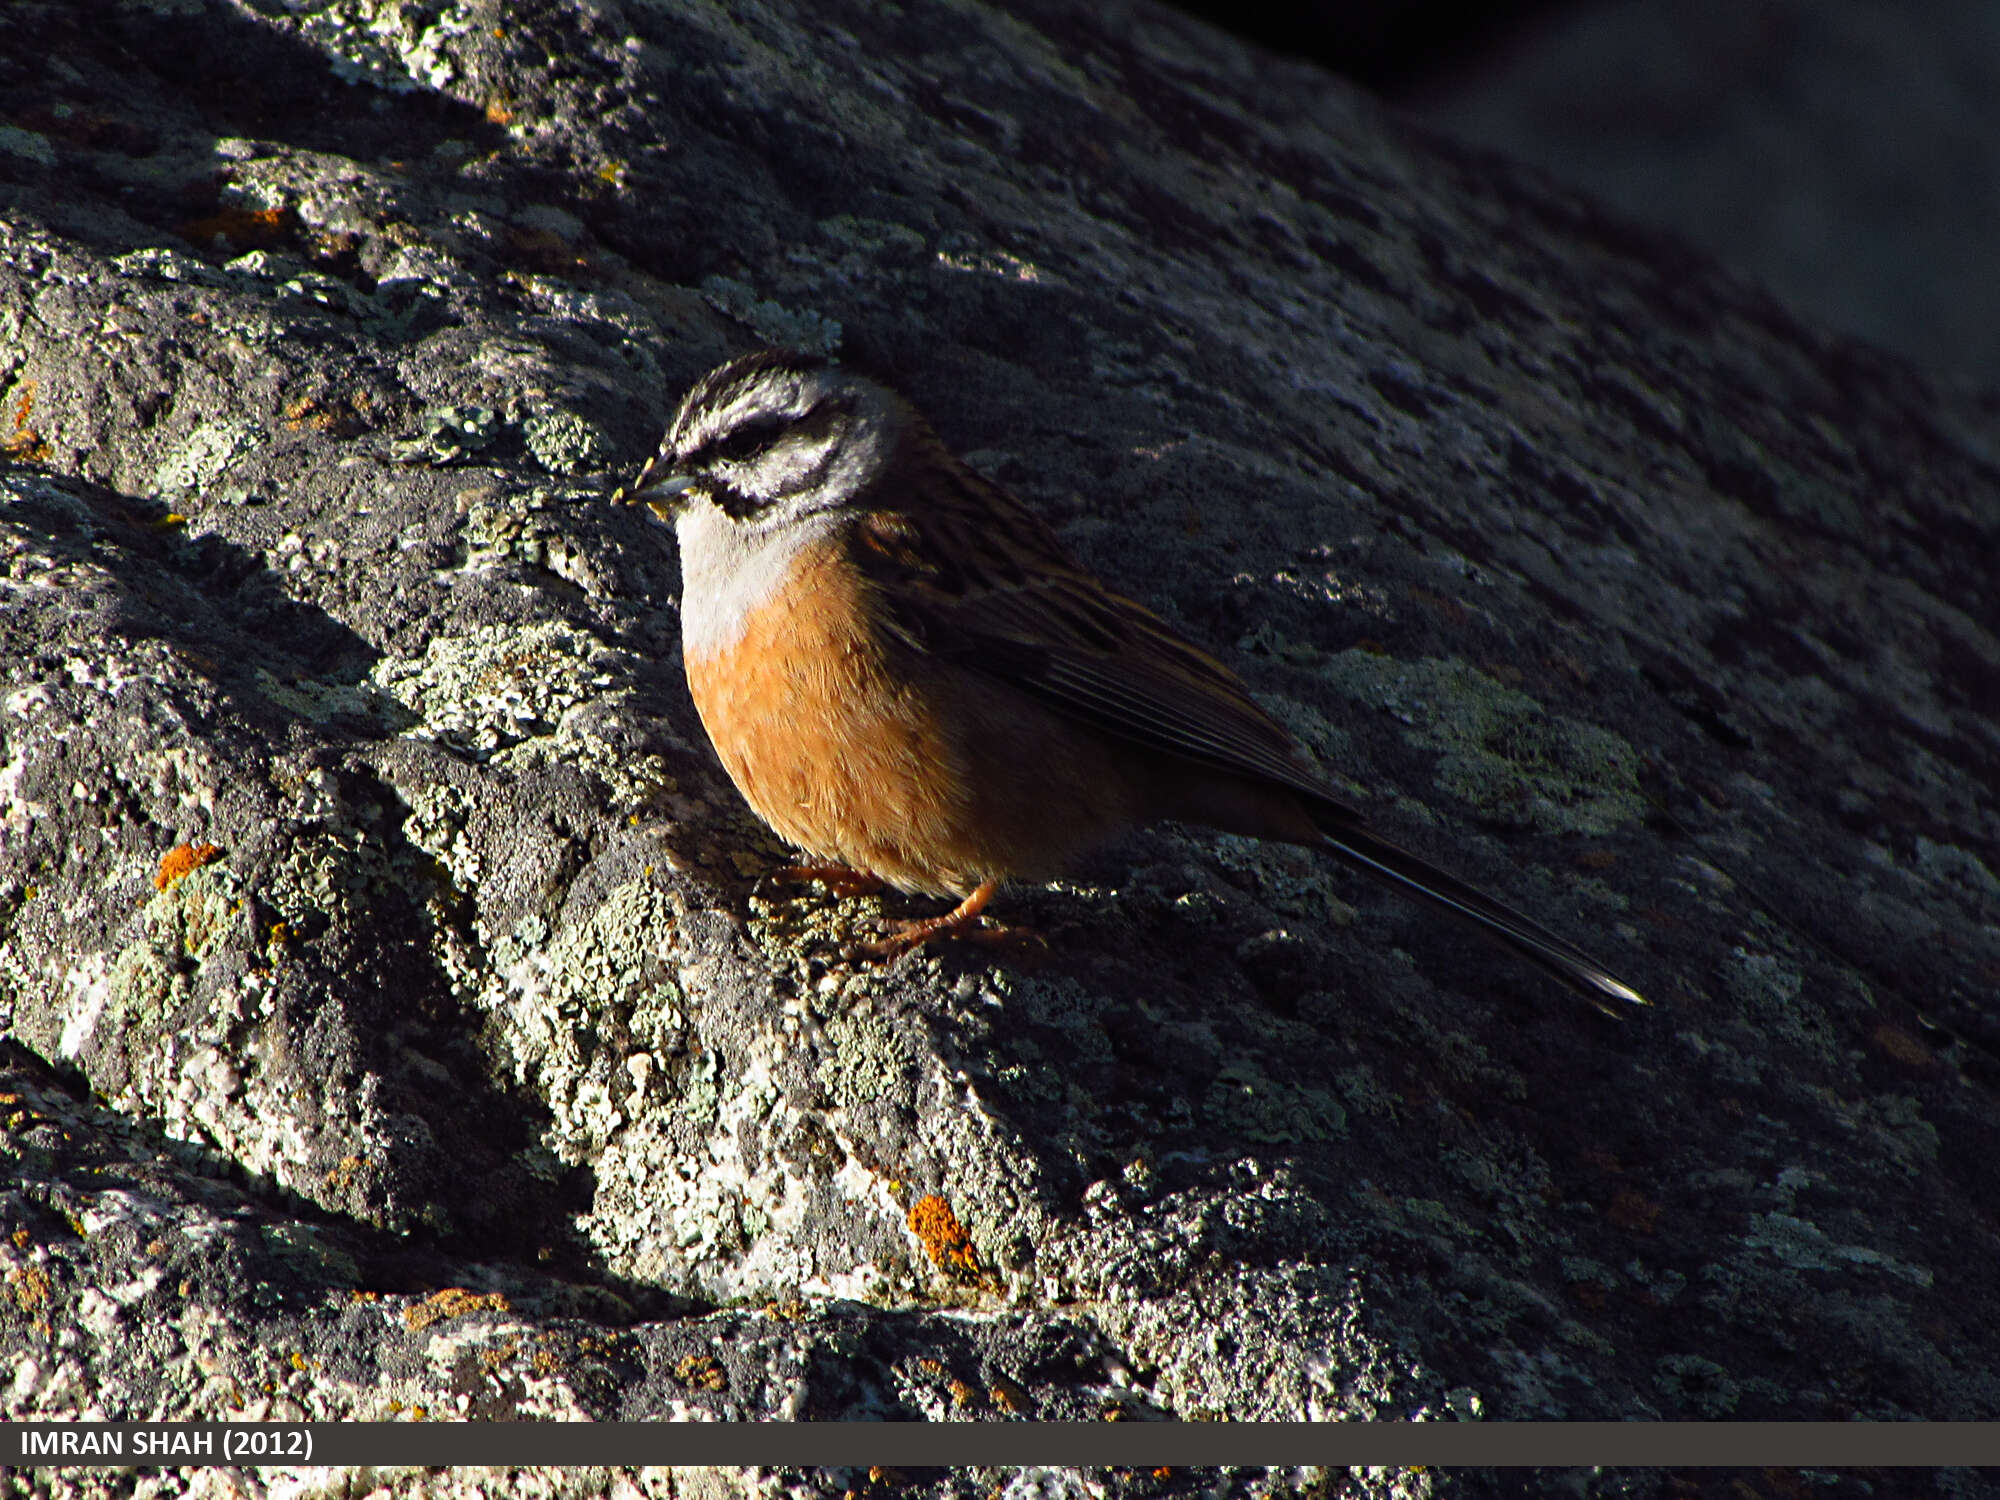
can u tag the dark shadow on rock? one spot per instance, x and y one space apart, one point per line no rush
145 93
314 1252
355 1008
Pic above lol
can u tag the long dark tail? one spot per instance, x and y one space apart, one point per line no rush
1419 877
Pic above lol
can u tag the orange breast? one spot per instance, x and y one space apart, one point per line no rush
839 754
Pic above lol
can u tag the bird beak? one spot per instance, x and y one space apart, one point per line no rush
665 494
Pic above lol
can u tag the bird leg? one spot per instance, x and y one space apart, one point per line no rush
961 921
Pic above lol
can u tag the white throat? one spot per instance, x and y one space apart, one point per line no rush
729 570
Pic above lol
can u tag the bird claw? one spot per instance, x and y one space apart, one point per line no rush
907 937
962 921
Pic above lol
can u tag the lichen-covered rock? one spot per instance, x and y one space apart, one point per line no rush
366 862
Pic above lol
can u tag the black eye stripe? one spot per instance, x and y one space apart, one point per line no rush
752 438
757 435
741 442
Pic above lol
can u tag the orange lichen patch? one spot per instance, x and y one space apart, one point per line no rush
31 1287
1633 1212
492 1359
1006 1395
944 1238
341 1176
452 1302
337 416
242 229
23 442
183 860
701 1372
500 112
962 1394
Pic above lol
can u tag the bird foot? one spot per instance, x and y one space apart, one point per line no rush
962 921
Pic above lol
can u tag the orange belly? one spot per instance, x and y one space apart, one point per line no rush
836 754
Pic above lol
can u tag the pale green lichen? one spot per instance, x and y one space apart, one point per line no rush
1289 880
448 434
499 685
563 442
1499 750
549 997
145 986
795 329
873 240
322 702
864 1059
204 455
801 927
1433 1215
1804 1246
199 913
1911 1138
1241 1099
1772 992
1365 1094
152 977
393 47
505 527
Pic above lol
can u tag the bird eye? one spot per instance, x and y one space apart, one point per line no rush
749 440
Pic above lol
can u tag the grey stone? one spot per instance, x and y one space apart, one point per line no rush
1609 584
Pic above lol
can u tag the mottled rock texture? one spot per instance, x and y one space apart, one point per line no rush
324 329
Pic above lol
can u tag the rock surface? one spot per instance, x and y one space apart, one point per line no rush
446 1045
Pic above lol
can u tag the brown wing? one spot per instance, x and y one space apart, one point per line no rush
971 575
968 574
